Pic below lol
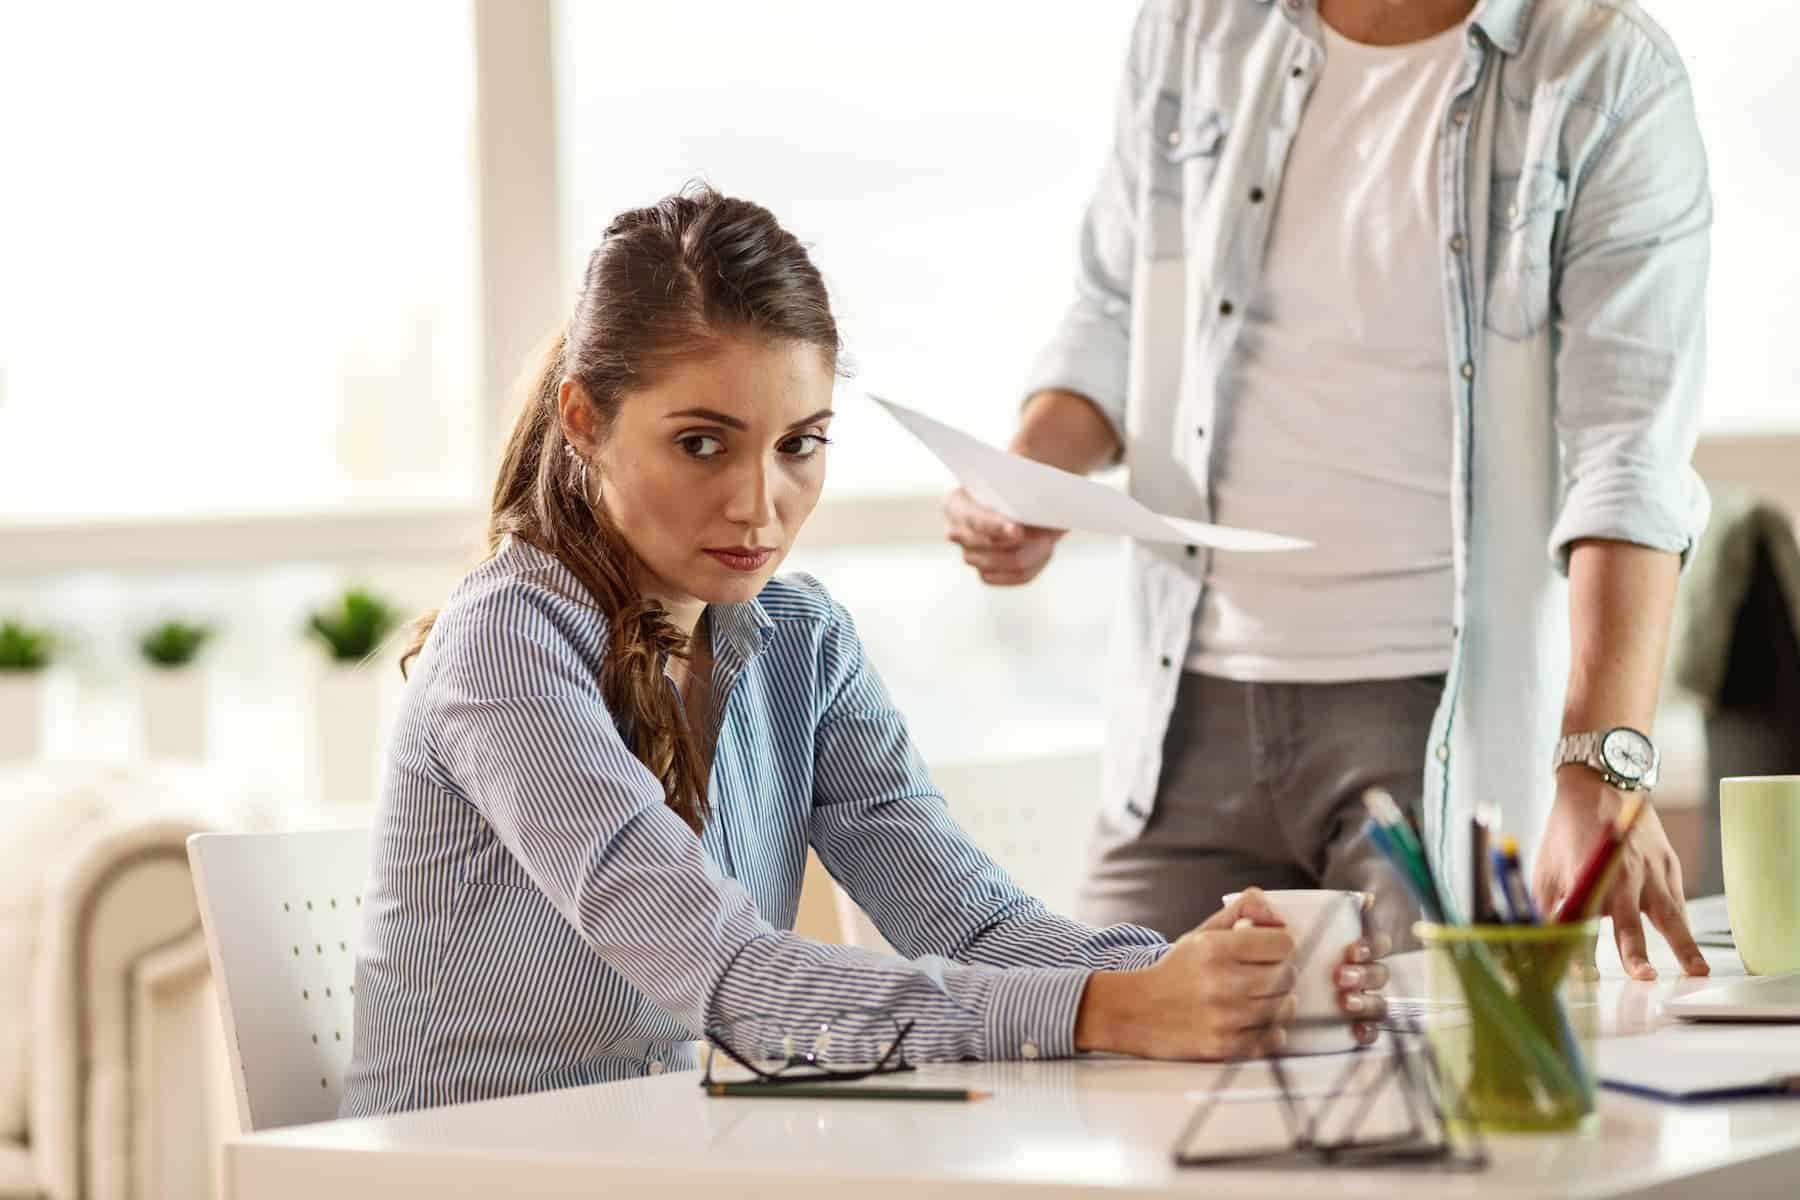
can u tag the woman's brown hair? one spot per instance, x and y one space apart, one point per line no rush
666 284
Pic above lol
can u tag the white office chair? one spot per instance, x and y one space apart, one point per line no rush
1033 816
283 916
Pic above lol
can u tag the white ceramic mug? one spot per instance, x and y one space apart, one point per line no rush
1337 917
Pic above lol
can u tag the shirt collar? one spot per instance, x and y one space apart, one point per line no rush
740 628
1503 21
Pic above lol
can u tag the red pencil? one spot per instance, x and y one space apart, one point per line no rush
1596 874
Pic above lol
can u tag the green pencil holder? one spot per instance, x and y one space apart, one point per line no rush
1516 1019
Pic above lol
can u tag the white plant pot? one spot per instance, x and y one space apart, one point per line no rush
174 707
23 697
349 747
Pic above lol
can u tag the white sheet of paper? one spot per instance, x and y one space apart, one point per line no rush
1035 494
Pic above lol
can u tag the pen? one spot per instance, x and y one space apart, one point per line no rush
838 1091
1481 893
1512 882
1508 903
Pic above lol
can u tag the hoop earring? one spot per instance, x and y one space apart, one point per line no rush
581 471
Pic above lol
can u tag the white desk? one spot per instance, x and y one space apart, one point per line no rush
1091 1129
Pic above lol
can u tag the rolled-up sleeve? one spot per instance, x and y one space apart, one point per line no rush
1090 353
1631 326
526 736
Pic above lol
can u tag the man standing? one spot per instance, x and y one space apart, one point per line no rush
1419 281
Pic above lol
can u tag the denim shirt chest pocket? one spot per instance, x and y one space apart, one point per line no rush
1523 213
1184 144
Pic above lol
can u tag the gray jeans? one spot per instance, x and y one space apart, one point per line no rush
1262 784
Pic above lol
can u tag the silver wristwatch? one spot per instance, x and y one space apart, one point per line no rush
1625 758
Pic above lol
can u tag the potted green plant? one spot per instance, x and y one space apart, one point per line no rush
172 688
348 701
24 654
354 628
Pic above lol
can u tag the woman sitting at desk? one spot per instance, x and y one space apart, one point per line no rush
623 734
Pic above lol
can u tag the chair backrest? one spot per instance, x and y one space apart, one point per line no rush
283 917
1033 816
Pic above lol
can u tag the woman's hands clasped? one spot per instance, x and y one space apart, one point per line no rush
1224 990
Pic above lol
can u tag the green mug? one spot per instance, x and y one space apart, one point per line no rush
1759 835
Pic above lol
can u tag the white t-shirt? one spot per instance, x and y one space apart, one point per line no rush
1336 426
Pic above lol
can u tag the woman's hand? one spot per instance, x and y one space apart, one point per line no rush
1223 990
1360 981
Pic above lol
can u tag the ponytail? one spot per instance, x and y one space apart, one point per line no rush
538 496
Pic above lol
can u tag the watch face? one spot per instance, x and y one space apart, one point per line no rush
1627 753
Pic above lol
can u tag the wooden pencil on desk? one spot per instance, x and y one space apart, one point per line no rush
839 1091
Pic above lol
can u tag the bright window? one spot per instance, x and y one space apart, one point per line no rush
239 258
936 157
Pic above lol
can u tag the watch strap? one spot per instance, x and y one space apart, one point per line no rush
1584 748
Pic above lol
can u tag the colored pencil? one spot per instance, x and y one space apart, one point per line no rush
1385 810
1585 898
1383 840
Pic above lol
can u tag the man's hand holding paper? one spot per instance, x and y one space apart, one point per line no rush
1046 498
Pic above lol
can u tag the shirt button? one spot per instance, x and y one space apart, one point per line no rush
1200 431
1460 116
1167 661
1457 244
1297 72
656 1067
1443 752
1028 1050
1468 370
1256 195
1192 551
1174 137
1225 308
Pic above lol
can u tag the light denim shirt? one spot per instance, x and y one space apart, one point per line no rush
538 917
1574 212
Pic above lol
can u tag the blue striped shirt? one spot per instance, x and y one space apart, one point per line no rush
538 917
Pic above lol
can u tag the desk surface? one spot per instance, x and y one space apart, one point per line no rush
1087 1128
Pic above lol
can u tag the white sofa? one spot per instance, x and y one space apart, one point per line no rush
112 1077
